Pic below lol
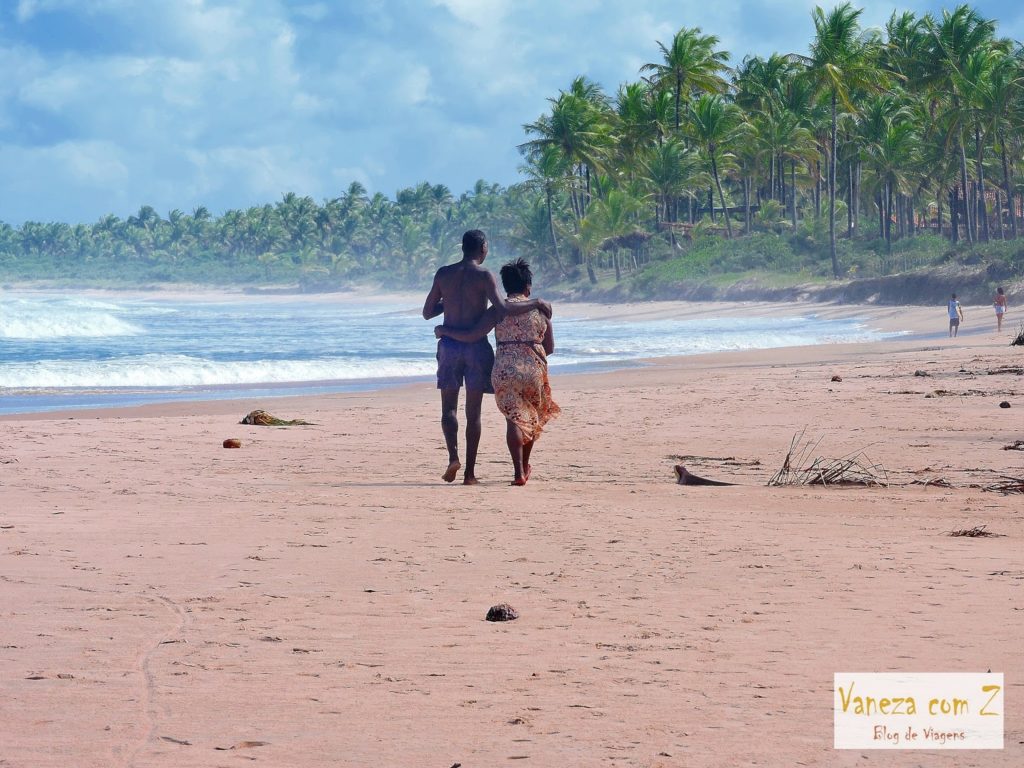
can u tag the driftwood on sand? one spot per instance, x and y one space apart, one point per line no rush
264 419
1007 485
684 477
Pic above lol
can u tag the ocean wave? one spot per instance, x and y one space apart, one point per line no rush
171 371
42 320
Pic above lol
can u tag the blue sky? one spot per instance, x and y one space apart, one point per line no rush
106 105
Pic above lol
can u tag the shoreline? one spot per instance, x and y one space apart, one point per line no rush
819 354
911 323
912 330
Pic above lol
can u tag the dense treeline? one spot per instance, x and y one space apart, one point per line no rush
873 146
875 135
352 237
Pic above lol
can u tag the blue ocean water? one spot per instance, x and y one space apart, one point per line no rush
60 351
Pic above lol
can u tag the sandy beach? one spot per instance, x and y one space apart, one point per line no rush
317 598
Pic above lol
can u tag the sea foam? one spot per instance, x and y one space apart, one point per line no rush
42 320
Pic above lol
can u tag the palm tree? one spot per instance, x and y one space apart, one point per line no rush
760 83
996 92
671 170
716 125
633 127
893 153
578 129
690 63
841 59
546 171
960 35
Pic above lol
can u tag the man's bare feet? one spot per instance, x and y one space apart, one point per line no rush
521 480
452 471
470 480
526 474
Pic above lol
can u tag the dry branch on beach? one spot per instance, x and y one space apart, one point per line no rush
1018 340
802 467
1007 485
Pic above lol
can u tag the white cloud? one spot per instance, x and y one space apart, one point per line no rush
28 9
478 13
97 164
228 103
414 86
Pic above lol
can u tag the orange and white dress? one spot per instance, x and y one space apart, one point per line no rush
520 376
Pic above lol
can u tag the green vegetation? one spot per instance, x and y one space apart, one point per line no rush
878 152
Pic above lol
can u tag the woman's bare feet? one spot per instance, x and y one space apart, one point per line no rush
452 471
526 474
470 480
519 481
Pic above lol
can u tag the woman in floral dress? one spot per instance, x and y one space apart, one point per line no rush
520 375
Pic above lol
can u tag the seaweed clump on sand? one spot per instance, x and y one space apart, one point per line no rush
264 419
977 532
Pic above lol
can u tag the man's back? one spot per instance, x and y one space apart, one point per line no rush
465 289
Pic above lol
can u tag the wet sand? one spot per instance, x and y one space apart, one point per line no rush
317 598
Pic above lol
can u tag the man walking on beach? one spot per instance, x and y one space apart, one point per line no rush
462 291
956 316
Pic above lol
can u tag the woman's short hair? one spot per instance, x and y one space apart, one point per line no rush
516 276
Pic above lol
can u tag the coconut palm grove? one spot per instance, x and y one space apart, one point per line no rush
875 152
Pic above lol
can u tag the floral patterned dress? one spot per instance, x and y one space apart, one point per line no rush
520 376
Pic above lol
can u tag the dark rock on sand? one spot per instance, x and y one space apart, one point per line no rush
1004 404
502 612
837 377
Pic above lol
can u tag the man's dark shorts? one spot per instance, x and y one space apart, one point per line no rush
458 361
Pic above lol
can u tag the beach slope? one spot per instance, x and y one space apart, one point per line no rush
317 597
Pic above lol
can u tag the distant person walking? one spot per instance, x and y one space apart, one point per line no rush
999 302
956 316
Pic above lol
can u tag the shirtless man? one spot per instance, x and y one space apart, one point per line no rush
956 316
462 291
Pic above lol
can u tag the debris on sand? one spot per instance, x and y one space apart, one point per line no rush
799 468
1018 340
837 377
264 419
1017 445
1007 485
684 477
1004 404
502 612
730 460
978 531
232 442
920 373
938 482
